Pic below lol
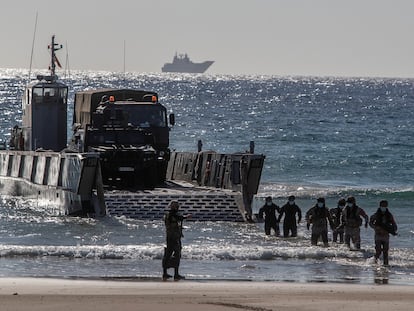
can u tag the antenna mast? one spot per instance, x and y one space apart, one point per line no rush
124 59
54 47
67 68
33 42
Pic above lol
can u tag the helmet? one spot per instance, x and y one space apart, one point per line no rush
268 199
383 203
321 200
342 202
350 200
292 198
174 205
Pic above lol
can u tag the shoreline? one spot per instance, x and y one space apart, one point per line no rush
156 279
68 294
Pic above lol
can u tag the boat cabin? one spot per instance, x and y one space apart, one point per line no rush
44 106
44 120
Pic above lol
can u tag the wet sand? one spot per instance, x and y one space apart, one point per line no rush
62 294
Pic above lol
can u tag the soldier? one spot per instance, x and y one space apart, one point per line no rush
290 209
319 216
336 214
271 222
103 103
351 221
383 223
174 231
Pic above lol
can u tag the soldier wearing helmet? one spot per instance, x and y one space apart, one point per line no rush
174 231
352 221
290 210
384 224
271 221
319 216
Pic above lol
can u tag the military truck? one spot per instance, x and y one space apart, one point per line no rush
130 131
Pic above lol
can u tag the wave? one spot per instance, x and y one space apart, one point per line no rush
341 254
307 191
84 251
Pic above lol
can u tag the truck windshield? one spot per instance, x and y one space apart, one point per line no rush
145 115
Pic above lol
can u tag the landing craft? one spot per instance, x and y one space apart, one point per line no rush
36 165
118 160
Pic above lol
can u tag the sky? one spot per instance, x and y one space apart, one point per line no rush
356 38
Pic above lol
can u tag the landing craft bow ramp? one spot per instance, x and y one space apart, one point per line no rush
209 186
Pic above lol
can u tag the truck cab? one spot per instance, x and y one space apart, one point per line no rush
130 131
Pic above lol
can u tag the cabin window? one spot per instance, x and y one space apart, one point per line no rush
37 94
49 91
50 94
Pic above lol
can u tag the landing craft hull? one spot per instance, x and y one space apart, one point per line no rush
62 182
210 186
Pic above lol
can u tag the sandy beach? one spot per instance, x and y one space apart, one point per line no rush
61 294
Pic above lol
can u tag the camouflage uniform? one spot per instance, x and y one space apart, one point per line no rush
351 218
172 253
319 216
383 223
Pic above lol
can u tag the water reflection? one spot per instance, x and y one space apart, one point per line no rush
381 275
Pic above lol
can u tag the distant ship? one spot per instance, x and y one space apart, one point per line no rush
182 63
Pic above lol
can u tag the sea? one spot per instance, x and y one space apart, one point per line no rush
326 137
